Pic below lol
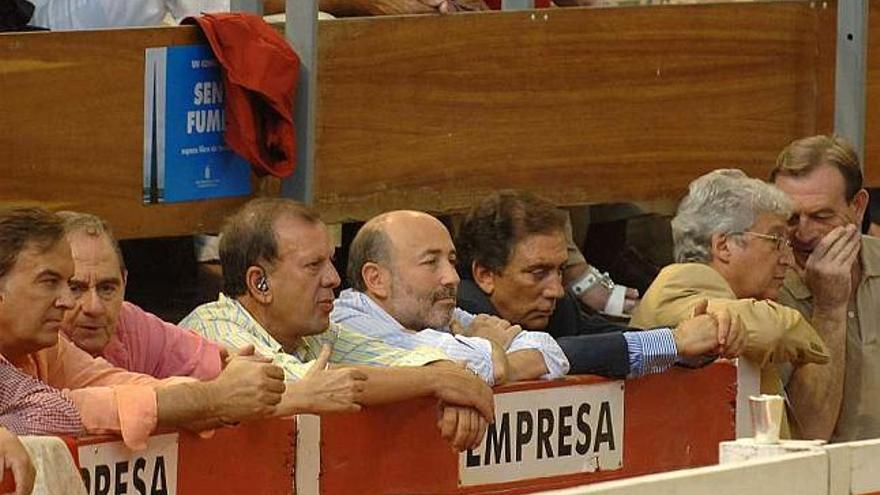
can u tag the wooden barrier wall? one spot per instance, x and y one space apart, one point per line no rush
659 423
581 105
256 458
71 131
872 97
670 421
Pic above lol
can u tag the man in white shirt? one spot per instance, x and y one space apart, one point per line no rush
402 270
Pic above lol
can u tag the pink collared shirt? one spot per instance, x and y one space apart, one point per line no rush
144 343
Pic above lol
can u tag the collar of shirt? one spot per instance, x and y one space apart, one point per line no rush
237 313
869 257
352 302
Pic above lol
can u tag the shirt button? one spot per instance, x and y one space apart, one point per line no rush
851 314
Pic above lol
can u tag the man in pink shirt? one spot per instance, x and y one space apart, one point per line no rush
35 266
104 325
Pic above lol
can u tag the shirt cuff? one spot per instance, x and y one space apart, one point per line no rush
651 351
554 359
479 359
419 356
126 410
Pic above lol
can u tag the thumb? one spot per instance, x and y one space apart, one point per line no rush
456 327
322 361
701 307
246 350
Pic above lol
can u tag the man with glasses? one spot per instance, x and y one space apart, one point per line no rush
731 247
836 281
511 255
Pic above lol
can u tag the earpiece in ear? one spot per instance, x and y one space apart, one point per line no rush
262 284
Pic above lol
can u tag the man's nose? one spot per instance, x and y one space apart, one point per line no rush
331 278
449 277
92 303
806 230
65 300
786 257
554 288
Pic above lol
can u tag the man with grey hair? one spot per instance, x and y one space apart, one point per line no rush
732 248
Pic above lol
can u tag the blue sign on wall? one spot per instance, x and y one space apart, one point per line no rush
185 155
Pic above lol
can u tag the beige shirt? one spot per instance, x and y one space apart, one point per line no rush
860 412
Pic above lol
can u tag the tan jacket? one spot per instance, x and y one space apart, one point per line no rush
776 333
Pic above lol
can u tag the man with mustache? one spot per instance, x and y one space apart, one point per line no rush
404 290
837 274
512 252
277 295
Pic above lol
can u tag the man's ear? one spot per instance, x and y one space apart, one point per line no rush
859 205
257 285
377 280
124 281
483 277
720 245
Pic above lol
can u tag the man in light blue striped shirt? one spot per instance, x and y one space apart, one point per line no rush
402 270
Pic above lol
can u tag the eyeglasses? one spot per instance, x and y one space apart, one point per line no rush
782 242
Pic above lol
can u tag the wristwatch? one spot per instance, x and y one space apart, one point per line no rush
589 279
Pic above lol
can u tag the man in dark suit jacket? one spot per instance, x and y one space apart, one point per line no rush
512 248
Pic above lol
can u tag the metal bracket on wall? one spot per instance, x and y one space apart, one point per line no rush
302 32
254 6
850 75
517 4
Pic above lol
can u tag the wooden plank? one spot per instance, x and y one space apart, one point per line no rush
71 131
586 105
580 105
872 98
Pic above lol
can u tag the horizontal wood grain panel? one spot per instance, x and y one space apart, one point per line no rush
583 105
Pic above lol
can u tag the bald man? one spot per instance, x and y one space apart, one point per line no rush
404 287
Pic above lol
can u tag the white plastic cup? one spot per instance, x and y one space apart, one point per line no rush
766 417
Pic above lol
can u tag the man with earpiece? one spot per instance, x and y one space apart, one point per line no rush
278 281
